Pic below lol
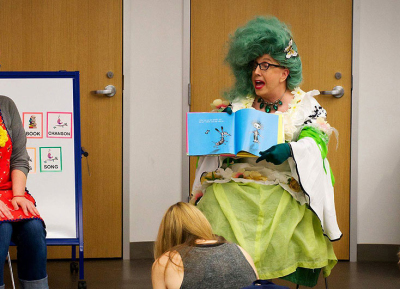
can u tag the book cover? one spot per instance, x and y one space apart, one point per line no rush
243 133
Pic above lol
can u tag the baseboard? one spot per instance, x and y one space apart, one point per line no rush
365 252
141 250
377 253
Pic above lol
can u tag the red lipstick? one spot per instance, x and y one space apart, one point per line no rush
259 84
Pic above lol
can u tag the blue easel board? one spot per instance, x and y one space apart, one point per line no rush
49 105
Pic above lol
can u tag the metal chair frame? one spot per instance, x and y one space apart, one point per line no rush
11 270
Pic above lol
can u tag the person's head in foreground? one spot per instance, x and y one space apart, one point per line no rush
188 255
182 225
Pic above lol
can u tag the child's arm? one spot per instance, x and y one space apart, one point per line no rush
18 179
158 273
166 273
249 259
5 211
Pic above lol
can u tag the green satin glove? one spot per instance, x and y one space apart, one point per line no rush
276 154
228 109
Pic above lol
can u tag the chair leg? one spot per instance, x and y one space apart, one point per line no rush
11 271
326 283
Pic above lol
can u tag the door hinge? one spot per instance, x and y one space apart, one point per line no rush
189 94
123 82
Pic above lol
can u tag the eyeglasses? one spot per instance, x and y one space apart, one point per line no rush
265 65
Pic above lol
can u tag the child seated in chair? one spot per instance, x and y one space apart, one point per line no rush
20 221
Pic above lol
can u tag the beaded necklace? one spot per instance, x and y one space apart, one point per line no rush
269 104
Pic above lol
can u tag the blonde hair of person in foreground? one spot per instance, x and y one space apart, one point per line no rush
183 226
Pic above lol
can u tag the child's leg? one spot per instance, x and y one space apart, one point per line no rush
5 238
30 237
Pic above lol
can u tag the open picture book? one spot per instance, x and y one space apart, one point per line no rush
243 133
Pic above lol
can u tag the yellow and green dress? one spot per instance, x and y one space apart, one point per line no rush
282 215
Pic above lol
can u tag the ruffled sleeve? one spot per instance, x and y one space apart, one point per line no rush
310 167
307 166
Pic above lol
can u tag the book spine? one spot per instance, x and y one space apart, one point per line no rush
187 135
281 131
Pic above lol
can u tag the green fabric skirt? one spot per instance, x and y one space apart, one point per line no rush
279 233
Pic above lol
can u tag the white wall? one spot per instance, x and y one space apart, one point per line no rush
153 36
378 204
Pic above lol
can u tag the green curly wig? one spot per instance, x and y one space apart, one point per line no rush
262 35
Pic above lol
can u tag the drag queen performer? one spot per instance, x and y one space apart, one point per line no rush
279 207
20 221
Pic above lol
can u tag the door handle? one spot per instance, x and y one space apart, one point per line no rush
109 91
337 92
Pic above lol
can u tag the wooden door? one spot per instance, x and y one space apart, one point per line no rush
85 36
323 34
